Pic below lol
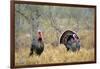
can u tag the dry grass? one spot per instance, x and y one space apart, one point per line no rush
59 54
53 55
86 39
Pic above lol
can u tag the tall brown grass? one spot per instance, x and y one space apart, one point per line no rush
58 54
53 55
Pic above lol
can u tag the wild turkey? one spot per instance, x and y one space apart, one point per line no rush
70 40
37 44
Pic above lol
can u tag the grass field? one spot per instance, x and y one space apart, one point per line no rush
56 54
53 55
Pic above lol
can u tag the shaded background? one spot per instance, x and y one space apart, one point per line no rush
52 21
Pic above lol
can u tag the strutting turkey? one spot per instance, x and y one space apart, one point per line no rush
37 44
70 40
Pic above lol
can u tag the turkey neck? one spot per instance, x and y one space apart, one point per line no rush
40 36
